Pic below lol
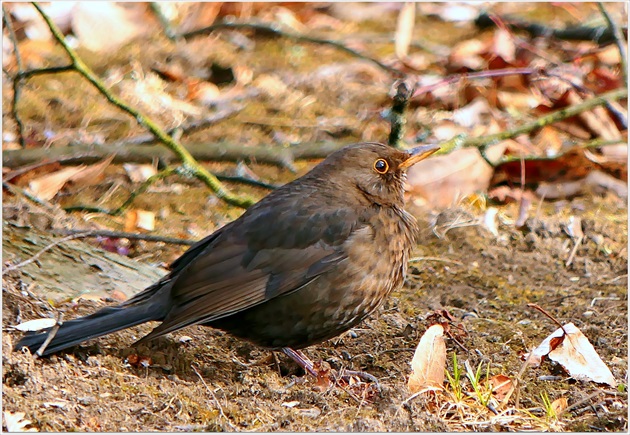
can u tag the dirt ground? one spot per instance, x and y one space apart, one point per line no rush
202 379
199 379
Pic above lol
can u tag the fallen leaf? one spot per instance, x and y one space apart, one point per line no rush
443 180
105 26
404 29
559 405
92 174
503 45
139 219
47 186
15 422
35 325
501 386
429 361
576 354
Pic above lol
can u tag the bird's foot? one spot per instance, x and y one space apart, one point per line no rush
326 376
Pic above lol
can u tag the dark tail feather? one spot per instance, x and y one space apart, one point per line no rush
103 322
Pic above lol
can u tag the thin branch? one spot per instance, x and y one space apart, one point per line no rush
485 141
126 235
273 30
17 81
618 37
51 334
188 162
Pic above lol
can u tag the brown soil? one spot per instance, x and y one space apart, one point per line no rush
202 379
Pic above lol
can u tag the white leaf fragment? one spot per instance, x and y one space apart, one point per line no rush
576 354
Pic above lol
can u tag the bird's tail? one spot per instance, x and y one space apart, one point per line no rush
103 322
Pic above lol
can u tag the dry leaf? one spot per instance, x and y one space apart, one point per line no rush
404 29
576 354
15 422
139 219
47 186
429 361
443 180
105 26
501 386
92 174
559 405
35 325
504 45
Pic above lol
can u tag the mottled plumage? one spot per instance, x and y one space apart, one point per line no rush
306 263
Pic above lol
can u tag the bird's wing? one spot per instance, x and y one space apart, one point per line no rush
260 257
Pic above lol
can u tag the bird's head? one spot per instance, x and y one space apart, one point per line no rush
375 170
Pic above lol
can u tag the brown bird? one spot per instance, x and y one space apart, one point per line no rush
305 264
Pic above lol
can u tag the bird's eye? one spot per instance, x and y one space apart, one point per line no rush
381 166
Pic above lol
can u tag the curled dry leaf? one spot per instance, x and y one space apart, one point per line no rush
576 354
47 186
429 361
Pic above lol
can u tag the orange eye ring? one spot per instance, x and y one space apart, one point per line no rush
381 166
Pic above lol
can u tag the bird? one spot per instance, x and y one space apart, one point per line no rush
305 264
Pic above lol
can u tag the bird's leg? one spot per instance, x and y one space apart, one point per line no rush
308 366
302 360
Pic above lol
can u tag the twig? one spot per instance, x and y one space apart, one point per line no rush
159 176
19 191
17 81
579 403
47 248
189 163
51 334
517 384
578 242
618 38
273 30
485 141
403 90
600 35
126 235
553 319
129 153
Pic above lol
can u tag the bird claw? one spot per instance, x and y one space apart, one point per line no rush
324 375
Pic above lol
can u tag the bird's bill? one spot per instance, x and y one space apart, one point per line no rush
418 153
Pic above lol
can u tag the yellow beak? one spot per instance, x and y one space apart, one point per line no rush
418 153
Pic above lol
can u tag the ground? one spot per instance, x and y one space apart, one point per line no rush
202 379
288 93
